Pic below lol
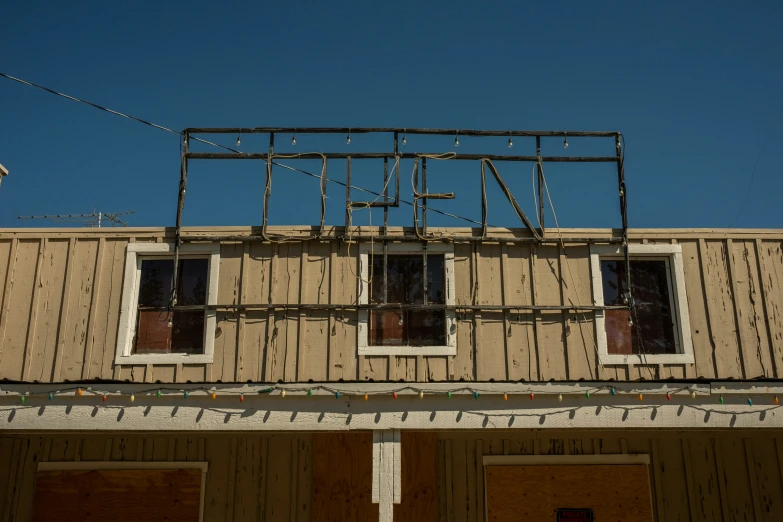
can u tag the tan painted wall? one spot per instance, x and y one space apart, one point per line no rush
60 292
694 475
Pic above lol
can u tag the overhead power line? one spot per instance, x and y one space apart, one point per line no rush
180 133
756 164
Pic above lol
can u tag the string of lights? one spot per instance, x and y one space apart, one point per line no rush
282 391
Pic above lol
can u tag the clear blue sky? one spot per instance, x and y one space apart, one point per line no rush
694 88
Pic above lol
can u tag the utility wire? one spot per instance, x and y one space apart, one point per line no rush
756 164
161 127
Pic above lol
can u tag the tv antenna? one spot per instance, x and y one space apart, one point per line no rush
94 219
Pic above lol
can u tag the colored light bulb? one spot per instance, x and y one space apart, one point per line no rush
475 395
750 401
186 394
132 397
510 143
348 139
721 399
366 397
668 397
565 143
241 397
21 399
421 395
158 394
448 395
310 392
51 396
559 397
532 396
456 141
693 395
239 141
79 392
641 397
587 395
775 400
336 395
404 139
293 140
282 394
612 391
505 396
103 398
214 395
394 395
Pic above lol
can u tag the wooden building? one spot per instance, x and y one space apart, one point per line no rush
524 389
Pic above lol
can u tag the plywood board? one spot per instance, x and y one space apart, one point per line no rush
118 495
533 493
342 478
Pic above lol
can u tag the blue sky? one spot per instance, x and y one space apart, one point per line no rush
694 89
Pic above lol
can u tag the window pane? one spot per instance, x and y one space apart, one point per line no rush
186 333
192 286
153 332
425 327
155 286
652 331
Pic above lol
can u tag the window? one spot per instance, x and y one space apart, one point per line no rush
149 332
157 329
407 331
658 331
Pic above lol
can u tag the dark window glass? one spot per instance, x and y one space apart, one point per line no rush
159 331
404 286
652 331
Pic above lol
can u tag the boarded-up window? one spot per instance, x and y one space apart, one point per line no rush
158 330
118 495
650 330
405 277
613 493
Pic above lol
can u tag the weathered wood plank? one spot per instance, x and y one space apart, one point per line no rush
748 309
19 284
701 335
94 317
720 309
53 280
769 255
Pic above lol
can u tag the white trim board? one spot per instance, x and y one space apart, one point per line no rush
130 296
673 253
386 472
363 330
100 465
224 414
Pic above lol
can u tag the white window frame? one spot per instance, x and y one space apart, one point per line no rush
134 255
129 466
447 250
679 302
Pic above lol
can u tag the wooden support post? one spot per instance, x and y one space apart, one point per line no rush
386 476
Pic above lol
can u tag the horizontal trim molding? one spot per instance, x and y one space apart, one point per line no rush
564 460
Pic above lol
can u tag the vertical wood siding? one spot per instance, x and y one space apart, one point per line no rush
698 476
694 475
60 298
249 479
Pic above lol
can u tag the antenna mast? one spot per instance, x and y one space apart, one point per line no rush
95 219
